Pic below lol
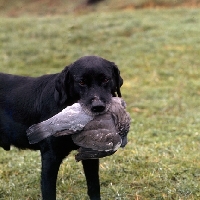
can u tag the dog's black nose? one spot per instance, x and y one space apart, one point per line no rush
98 106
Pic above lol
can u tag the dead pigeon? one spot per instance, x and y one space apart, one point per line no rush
97 135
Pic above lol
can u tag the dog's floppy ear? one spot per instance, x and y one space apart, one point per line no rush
118 81
62 86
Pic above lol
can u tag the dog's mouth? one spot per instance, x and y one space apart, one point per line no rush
89 111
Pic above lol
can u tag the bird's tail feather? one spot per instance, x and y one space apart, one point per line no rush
38 132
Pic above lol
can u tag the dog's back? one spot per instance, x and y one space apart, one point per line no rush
21 105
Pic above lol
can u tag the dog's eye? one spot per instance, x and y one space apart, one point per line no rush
82 82
105 80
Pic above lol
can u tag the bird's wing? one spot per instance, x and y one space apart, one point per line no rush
72 118
99 134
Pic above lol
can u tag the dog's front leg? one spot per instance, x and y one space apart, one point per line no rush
91 170
50 167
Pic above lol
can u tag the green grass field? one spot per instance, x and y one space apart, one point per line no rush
157 51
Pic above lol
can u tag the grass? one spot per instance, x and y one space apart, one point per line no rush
157 52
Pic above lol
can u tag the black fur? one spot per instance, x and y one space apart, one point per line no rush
24 101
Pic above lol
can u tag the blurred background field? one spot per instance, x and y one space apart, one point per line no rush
156 46
13 8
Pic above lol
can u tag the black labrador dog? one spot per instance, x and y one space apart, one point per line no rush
24 101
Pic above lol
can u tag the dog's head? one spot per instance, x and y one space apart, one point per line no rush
92 81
